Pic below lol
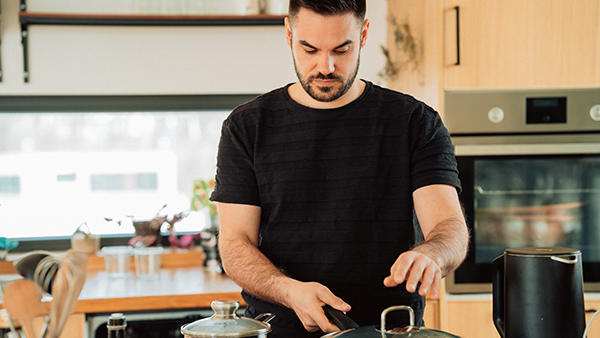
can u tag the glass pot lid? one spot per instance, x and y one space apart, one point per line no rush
227 323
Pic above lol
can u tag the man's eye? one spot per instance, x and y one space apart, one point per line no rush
341 51
310 51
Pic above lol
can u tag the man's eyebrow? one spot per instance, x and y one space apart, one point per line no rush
305 43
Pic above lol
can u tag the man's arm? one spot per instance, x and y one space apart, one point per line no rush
249 268
445 246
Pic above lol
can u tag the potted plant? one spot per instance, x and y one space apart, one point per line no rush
84 241
200 199
209 242
5 245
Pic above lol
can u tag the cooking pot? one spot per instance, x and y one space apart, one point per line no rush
349 329
226 323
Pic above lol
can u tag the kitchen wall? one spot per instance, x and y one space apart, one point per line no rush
118 60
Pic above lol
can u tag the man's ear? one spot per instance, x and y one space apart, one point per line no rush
364 33
288 31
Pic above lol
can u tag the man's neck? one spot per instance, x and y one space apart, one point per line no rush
298 94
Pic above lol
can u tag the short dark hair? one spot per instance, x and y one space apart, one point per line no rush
329 7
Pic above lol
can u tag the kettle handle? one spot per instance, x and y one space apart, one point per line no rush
498 294
565 259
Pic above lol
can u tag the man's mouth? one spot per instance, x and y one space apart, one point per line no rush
324 82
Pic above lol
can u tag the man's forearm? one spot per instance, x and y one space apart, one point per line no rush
446 244
251 270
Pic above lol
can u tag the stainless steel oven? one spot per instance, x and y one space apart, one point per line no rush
529 163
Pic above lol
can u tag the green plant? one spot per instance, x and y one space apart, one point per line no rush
200 198
6 245
85 233
406 46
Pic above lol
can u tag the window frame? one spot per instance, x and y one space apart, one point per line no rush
109 103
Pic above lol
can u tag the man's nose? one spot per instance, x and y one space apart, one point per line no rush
326 64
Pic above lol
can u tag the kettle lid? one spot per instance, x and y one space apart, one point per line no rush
542 251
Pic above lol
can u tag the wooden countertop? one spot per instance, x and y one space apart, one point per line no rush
176 288
182 283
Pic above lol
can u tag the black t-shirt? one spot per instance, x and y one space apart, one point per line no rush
335 187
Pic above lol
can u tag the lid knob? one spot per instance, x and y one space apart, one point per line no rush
225 309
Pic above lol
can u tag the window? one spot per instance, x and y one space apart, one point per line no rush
100 160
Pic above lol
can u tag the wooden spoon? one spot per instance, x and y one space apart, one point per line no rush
22 299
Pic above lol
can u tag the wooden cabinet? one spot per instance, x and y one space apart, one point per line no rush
592 304
522 44
470 316
502 44
431 316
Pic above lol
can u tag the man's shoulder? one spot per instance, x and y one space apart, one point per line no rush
394 100
270 100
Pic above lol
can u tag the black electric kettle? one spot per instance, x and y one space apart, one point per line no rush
538 292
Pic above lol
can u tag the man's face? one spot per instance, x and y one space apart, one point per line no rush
326 52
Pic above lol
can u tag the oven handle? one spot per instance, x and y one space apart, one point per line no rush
482 191
526 149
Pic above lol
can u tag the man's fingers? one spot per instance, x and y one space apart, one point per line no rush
416 274
398 271
435 286
414 268
337 303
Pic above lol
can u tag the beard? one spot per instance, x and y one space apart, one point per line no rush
329 93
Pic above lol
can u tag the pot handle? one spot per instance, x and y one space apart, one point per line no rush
411 317
268 316
498 294
340 319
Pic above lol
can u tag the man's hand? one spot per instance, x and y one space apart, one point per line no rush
445 246
245 264
413 267
307 301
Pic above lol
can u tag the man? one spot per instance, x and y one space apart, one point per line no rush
317 183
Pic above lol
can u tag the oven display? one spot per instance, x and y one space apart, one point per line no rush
546 110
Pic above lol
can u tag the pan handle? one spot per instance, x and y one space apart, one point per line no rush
340 319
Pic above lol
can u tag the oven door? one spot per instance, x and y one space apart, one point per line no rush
528 191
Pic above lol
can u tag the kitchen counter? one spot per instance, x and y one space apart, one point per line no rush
175 288
182 283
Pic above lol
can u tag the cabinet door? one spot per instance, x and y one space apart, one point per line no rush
522 44
471 318
431 316
591 306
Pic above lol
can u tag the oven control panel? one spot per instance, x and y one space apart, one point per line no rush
522 111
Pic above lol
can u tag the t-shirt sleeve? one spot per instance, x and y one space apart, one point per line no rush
432 152
235 179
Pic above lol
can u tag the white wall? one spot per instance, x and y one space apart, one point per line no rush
117 60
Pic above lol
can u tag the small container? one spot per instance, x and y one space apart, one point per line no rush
117 260
147 262
116 325
85 243
277 7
